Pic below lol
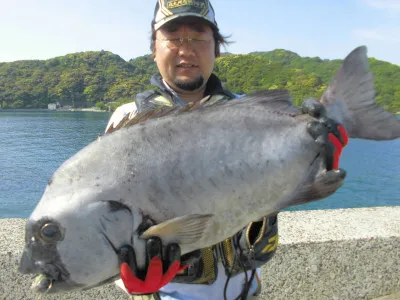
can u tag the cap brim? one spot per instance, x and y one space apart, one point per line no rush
167 20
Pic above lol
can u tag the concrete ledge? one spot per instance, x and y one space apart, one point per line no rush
330 254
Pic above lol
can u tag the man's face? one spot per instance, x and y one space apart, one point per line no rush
185 66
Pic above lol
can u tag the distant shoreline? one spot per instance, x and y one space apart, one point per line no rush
82 109
90 109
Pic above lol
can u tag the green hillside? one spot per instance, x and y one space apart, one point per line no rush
84 79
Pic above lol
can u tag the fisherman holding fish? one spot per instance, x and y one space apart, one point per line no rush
185 42
179 199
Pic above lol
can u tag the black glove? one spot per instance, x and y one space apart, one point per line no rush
160 269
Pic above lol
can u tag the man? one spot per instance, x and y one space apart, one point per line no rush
185 42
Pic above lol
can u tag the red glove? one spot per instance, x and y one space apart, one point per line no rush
331 137
328 134
159 271
339 143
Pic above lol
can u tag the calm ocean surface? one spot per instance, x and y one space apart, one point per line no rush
34 143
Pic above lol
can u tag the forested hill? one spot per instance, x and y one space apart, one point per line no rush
103 78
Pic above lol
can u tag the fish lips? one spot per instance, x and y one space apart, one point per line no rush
44 284
52 276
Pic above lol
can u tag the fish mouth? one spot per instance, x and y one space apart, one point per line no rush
52 281
45 284
50 276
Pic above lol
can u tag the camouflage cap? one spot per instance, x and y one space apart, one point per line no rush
168 10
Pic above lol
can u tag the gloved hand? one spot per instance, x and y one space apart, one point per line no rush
328 134
159 270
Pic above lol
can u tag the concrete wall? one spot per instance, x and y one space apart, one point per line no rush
331 254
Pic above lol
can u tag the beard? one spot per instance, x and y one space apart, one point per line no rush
189 85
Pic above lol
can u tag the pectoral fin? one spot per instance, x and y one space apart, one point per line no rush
184 230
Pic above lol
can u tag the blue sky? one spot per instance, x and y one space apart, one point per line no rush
42 29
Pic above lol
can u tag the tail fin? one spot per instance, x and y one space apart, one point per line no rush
350 100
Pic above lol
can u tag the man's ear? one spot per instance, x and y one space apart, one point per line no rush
154 53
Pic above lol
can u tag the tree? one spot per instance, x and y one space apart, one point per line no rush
101 105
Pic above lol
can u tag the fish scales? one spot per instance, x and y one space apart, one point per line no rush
190 171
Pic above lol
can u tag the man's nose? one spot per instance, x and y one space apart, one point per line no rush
186 48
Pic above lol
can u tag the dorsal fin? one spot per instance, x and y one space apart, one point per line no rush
275 100
271 97
153 113
278 101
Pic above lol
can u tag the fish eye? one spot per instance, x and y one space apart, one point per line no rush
50 233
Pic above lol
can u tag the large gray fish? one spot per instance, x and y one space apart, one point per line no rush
201 175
